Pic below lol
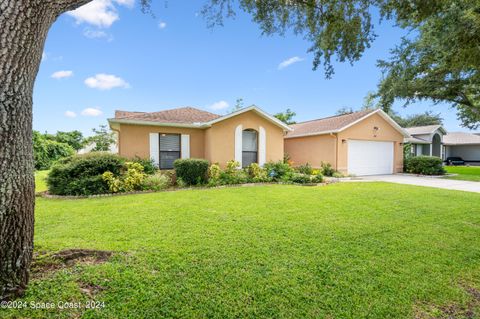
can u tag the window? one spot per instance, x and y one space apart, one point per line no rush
249 147
169 150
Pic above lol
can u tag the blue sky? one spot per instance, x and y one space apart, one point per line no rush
111 56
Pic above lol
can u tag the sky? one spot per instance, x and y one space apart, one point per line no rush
109 56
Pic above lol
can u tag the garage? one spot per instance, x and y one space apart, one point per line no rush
370 157
367 142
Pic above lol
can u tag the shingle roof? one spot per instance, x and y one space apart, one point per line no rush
460 138
328 124
428 129
416 140
183 115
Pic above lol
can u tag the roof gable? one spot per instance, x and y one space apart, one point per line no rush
427 129
336 124
259 112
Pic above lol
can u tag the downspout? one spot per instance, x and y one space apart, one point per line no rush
336 150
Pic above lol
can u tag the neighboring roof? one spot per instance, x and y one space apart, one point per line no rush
183 115
335 124
416 140
186 117
428 129
461 138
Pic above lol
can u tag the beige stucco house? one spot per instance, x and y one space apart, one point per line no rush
248 135
361 143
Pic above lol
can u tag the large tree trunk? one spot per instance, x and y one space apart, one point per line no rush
23 29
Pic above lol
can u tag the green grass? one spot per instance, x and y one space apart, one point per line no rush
40 183
465 173
348 250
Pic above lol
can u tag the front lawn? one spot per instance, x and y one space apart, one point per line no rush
348 250
40 183
465 173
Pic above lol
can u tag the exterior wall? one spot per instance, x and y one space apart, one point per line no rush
467 152
134 139
364 131
312 149
220 138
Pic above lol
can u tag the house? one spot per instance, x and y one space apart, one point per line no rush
368 142
426 140
464 145
249 135
434 140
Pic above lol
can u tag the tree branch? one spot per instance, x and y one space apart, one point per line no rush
68 5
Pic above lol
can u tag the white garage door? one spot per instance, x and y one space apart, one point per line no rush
370 158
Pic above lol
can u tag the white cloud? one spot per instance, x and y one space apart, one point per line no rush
70 114
97 34
44 56
289 62
162 25
90 111
106 82
101 13
62 74
220 105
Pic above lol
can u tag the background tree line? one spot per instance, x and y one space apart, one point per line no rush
48 148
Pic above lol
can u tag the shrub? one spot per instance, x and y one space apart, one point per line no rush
278 171
235 177
425 165
129 180
214 173
300 178
47 151
191 171
82 174
149 167
232 174
338 175
156 182
256 173
317 178
305 169
327 169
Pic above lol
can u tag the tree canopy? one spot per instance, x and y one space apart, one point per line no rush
286 117
438 60
421 119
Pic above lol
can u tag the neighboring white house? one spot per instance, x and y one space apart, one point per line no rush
433 140
426 140
90 146
464 145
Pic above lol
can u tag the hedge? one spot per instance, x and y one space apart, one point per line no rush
82 174
424 165
191 171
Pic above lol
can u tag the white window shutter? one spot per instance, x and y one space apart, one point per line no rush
154 149
185 146
238 143
262 146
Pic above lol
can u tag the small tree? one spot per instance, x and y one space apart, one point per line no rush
47 151
344 110
103 139
286 117
74 138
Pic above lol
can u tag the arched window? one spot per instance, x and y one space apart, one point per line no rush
249 147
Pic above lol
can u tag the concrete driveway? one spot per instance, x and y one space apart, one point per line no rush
436 182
